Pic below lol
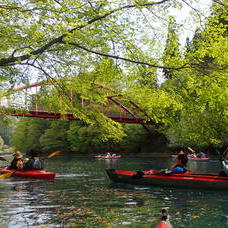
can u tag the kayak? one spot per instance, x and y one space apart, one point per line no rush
37 174
108 157
192 158
208 181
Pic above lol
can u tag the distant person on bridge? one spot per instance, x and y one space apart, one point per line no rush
33 163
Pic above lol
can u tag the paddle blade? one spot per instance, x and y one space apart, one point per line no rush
3 159
6 175
54 154
191 149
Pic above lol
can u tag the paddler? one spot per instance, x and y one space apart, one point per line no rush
33 163
17 162
180 166
224 172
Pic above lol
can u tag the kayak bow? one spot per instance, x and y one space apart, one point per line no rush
37 174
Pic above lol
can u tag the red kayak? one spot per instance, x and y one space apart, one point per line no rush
37 174
156 178
108 157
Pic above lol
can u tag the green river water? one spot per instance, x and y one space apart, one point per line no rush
83 196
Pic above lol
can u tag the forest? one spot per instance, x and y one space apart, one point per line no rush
135 49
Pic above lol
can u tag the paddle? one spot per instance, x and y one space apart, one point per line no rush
10 173
3 159
193 151
5 175
54 154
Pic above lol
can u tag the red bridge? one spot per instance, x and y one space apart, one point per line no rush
23 102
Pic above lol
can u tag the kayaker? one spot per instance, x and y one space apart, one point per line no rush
224 171
193 155
108 154
180 166
17 162
33 163
201 155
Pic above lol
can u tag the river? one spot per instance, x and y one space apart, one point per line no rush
83 196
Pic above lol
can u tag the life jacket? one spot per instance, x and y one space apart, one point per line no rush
37 164
14 162
179 169
33 164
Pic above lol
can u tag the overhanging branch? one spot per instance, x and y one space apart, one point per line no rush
123 58
12 60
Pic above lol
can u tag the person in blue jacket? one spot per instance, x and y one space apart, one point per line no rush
180 166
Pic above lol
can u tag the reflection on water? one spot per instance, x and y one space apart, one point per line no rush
111 163
83 196
21 202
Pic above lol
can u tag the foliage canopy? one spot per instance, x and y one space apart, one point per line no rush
104 43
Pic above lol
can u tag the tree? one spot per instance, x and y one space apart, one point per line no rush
27 133
171 55
67 37
55 137
203 120
77 39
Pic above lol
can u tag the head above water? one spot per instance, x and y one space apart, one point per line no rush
164 214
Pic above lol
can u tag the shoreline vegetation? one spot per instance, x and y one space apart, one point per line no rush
74 138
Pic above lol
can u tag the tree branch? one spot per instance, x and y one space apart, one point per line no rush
124 59
194 9
221 3
16 60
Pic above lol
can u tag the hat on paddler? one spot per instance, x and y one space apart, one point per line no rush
17 154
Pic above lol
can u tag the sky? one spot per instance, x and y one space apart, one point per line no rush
188 18
190 25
